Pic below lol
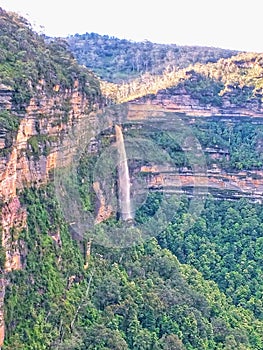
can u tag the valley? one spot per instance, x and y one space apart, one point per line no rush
130 193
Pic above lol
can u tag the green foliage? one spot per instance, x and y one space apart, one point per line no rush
26 59
239 143
149 296
116 59
204 89
214 77
227 83
39 145
241 76
8 121
167 141
8 126
85 181
39 305
149 208
225 245
137 298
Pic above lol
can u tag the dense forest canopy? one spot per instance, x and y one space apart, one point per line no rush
136 298
135 69
116 59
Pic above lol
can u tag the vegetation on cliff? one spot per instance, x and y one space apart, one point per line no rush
236 82
28 64
231 145
240 143
9 123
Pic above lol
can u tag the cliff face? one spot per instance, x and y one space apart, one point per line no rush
34 153
169 111
40 128
233 185
35 149
179 100
44 94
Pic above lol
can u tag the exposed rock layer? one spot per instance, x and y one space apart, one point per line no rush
36 150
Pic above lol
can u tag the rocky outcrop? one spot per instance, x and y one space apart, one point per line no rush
165 112
13 222
178 100
6 94
36 149
35 152
216 181
104 210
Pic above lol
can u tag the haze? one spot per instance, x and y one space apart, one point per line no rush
227 24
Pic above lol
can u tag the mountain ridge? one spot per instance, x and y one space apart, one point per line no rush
129 59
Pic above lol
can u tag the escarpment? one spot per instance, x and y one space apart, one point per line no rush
182 98
40 133
41 103
230 145
35 151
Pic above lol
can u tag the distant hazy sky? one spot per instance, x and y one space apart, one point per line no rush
234 24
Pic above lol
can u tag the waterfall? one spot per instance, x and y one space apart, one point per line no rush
123 177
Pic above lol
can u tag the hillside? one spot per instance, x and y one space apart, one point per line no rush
211 77
115 60
229 85
26 61
193 282
140 298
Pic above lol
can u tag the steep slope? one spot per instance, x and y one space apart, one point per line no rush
27 63
186 79
43 94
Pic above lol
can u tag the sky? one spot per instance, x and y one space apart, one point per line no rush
230 24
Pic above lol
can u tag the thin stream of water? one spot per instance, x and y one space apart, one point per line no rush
123 177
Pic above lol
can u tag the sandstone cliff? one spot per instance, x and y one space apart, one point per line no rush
178 99
174 112
35 151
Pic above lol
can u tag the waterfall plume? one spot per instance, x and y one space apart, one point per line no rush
124 185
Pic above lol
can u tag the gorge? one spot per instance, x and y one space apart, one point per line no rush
194 284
